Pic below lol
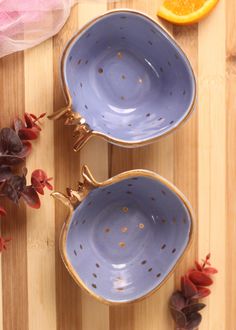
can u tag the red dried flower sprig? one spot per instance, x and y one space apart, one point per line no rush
184 305
14 148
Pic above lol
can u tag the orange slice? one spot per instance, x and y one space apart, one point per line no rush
185 11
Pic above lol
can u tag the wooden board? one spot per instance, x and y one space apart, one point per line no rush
37 292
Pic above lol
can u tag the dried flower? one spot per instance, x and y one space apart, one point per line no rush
40 180
14 148
3 243
184 305
2 211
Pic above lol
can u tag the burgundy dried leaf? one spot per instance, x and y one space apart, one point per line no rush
13 187
198 266
27 148
202 292
5 173
10 142
28 133
194 321
42 115
28 120
33 116
40 180
210 270
177 300
178 317
31 197
39 117
188 288
199 278
2 212
18 124
48 184
38 186
193 308
10 160
3 243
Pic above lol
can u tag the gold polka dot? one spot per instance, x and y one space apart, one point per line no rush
122 97
119 55
124 229
107 230
141 225
125 209
122 244
123 76
140 80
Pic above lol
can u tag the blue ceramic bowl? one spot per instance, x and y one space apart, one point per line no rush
123 237
126 80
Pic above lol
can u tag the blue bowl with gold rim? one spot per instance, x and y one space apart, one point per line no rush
123 237
126 80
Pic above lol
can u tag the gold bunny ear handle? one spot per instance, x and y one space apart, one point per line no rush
66 111
74 197
63 199
89 180
83 134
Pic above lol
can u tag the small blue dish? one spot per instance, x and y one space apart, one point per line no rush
126 80
123 237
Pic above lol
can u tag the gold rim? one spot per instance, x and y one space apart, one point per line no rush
115 179
102 135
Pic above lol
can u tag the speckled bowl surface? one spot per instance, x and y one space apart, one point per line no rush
126 236
127 78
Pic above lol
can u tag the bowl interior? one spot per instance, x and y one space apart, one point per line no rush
128 78
124 239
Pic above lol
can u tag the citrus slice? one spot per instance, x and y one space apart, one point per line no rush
185 11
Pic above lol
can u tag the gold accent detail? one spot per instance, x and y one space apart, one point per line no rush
141 225
124 229
120 55
107 230
122 244
69 99
125 209
76 196
100 70
123 76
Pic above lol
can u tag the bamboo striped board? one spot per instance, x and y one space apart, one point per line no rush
37 293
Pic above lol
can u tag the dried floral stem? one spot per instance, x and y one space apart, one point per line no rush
15 146
184 305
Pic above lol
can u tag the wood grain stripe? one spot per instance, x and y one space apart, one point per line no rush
68 294
211 158
230 161
95 315
185 146
14 260
40 223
